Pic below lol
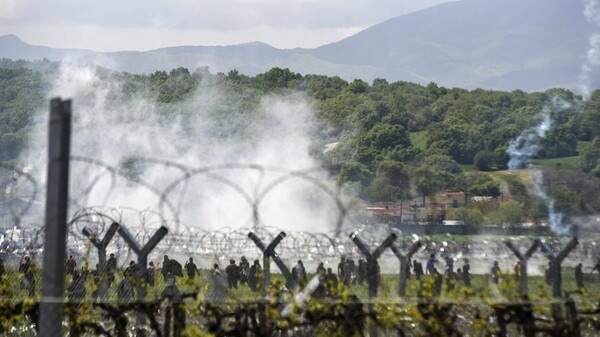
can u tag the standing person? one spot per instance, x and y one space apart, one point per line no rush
430 264
76 290
348 271
125 291
166 267
299 275
596 267
232 272
362 271
27 268
341 268
331 282
254 275
466 269
579 275
244 270
111 264
70 265
219 285
495 272
321 269
151 274
111 269
438 281
191 268
518 270
131 270
2 269
417 269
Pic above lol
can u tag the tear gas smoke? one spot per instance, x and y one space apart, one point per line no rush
592 57
209 129
528 145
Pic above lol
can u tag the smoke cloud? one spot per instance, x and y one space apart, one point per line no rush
527 146
213 128
592 57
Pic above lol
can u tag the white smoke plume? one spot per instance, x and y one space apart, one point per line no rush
592 57
528 145
195 133
555 219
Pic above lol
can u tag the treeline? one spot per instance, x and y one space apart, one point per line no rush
390 141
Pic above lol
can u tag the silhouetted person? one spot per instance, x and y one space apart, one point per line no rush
417 269
466 270
362 271
495 272
332 283
151 274
348 270
299 275
218 290
430 264
125 289
579 275
596 267
232 272
438 280
191 268
111 268
244 270
70 265
26 267
76 290
341 268
131 270
254 275
321 269
171 266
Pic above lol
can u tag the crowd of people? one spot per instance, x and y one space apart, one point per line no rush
244 274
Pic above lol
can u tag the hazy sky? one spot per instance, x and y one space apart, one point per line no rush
110 25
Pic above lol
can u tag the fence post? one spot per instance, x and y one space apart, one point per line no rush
523 258
372 259
57 195
101 248
405 264
269 252
142 254
372 268
555 269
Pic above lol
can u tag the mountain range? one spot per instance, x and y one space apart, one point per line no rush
493 44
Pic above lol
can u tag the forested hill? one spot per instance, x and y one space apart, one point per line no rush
376 136
496 44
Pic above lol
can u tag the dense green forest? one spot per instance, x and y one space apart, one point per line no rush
389 141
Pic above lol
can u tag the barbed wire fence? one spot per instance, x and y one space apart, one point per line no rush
122 295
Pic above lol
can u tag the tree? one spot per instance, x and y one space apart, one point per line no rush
509 213
469 216
590 156
484 160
